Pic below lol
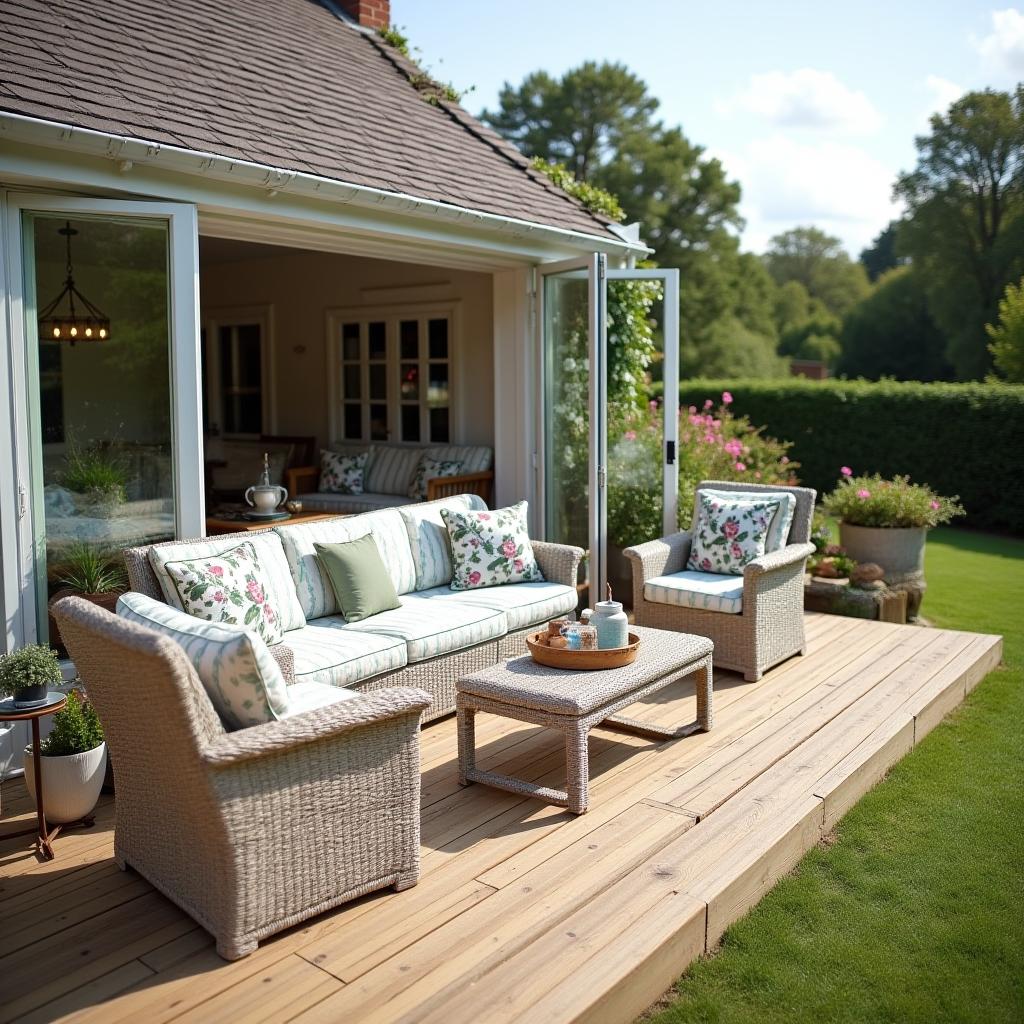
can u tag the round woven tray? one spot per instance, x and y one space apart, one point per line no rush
560 657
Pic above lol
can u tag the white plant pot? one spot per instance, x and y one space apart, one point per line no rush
71 785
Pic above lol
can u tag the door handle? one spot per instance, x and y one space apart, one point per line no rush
670 453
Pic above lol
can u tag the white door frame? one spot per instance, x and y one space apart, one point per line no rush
186 398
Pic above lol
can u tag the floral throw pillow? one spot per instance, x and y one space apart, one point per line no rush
729 533
428 469
231 588
342 474
490 548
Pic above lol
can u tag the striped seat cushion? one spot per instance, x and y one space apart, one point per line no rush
329 653
524 604
475 458
706 591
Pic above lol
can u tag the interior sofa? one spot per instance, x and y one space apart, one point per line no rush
234 464
434 637
389 473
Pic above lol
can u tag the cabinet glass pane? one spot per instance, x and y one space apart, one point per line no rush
437 334
409 339
410 377
437 391
439 424
350 341
378 380
378 422
378 335
410 422
353 421
352 382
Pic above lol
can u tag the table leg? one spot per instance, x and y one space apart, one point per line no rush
466 718
577 768
44 833
704 686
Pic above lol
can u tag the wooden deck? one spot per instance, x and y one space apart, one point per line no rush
524 912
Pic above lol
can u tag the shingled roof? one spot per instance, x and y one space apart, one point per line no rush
287 84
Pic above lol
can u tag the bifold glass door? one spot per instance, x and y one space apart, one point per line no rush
610 358
111 441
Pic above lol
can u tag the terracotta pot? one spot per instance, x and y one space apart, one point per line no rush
71 785
107 600
898 550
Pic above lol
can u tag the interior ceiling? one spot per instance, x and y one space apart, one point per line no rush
214 250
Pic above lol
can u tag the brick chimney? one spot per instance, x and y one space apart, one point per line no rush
368 13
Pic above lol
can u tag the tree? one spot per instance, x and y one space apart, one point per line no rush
818 262
892 333
1008 334
805 327
881 255
964 228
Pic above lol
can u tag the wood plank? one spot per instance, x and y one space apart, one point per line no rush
89 995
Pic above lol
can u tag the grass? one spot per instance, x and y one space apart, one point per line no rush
913 911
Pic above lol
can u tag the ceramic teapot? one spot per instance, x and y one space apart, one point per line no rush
265 496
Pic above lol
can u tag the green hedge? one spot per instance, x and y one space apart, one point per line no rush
965 439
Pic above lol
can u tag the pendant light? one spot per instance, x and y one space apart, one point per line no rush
71 322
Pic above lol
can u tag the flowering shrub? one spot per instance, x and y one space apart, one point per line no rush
713 445
875 501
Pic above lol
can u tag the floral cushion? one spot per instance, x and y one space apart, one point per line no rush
778 531
491 548
729 533
342 474
231 588
429 468
240 676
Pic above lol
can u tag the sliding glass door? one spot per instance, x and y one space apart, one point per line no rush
109 412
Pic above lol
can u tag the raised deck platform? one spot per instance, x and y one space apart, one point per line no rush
524 912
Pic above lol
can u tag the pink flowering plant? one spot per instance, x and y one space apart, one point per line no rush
713 445
893 503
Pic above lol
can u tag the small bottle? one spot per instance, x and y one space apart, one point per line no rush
611 622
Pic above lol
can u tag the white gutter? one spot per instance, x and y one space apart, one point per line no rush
126 151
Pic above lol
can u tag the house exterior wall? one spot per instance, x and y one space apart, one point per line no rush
302 287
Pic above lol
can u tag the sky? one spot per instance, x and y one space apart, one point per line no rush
811 106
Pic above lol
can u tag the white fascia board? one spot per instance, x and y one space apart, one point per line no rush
125 164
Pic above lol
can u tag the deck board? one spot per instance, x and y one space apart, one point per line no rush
523 911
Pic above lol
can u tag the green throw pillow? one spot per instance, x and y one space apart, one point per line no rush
359 577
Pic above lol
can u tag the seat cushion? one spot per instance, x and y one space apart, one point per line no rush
311 696
434 627
328 652
428 537
707 591
524 604
315 595
350 504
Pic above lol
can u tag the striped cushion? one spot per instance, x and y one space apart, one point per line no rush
475 458
272 561
706 591
778 529
428 537
431 628
524 604
238 672
327 652
351 504
315 595
391 468
313 696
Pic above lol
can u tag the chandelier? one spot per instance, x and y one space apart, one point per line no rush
71 316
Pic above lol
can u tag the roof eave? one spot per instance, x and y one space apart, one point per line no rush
273 180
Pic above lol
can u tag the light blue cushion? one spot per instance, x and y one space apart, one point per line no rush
327 652
238 672
706 591
524 604
313 696
778 529
428 537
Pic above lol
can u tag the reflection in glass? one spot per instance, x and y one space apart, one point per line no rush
409 339
410 422
410 377
350 341
437 389
439 424
378 336
352 382
353 421
437 335
378 380
378 422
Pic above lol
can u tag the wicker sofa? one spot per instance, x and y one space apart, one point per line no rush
436 636
252 831
755 620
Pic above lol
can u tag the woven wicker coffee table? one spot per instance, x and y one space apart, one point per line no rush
575 702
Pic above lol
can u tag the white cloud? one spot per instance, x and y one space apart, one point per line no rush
1003 47
941 94
805 98
836 186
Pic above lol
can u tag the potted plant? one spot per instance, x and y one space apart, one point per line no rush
97 478
72 763
91 572
886 521
28 674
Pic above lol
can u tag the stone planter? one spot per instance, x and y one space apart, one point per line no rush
898 550
71 785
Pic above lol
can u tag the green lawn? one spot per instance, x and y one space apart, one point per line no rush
916 911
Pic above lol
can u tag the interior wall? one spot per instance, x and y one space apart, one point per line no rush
302 286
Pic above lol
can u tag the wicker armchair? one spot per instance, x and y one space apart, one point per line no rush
770 627
252 831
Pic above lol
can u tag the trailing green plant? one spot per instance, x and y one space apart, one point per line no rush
962 438
32 665
91 569
396 38
76 730
595 199
894 503
94 471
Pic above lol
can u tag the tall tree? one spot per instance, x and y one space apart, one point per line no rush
881 255
818 262
964 228
1008 334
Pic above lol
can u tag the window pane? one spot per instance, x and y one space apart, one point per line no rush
437 332
350 341
410 422
378 422
250 414
409 338
439 424
410 382
353 421
250 371
352 381
378 339
437 392
378 380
